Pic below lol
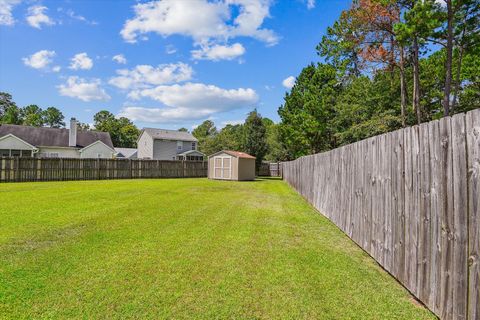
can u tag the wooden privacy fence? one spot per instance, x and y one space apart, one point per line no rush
270 169
58 169
411 199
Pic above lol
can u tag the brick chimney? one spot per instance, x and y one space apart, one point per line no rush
72 133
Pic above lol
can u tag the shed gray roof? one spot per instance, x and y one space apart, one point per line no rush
53 137
165 134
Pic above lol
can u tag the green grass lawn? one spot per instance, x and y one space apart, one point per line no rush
183 249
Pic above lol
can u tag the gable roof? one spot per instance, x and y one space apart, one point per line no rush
95 143
18 139
53 137
165 134
237 154
126 152
186 153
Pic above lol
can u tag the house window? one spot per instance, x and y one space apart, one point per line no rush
4 153
16 153
53 154
99 155
193 145
26 153
179 145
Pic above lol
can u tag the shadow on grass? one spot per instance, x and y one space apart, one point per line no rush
262 178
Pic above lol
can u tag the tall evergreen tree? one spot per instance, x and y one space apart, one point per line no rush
256 137
122 131
205 133
33 116
52 117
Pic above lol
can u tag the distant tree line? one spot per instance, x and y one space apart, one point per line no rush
257 136
31 115
387 64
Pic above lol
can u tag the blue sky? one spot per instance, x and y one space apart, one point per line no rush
169 64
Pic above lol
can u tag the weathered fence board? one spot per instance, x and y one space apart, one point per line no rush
411 199
62 169
473 147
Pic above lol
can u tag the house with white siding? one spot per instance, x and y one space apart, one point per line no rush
41 142
163 144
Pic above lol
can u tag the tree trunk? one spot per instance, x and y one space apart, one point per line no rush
416 81
391 61
459 67
448 62
403 87
457 80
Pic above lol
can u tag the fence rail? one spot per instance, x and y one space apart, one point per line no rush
59 169
411 199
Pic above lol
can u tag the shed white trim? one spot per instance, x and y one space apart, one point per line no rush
222 169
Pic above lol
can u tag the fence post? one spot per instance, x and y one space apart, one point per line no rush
17 169
62 170
130 168
98 169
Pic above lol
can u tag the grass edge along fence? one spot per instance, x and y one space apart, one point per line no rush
411 199
62 169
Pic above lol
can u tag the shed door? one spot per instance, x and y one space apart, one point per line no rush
223 168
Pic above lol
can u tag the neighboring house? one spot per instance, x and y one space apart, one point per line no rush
25 141
126 153
162 144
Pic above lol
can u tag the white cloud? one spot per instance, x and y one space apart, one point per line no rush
249 21
218 52
6 7
289 82
78 17
36 17
199 19
119 58
204 21
85 90
40 59
310 4
190 101
143 76
56 69
170 49
81 61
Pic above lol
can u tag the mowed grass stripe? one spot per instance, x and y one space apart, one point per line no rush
183 249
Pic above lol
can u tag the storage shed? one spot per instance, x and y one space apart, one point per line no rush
231 165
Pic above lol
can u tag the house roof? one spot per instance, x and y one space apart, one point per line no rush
53 137
165 134
126 152
237 154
